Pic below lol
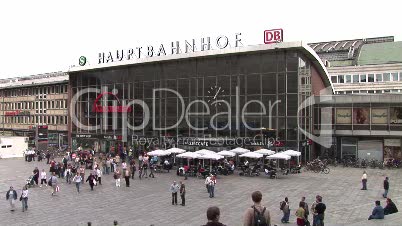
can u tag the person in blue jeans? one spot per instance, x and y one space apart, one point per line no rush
319 211
378 211
286 210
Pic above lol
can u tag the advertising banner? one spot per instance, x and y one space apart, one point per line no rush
344 116
361 116
379 116
392 149
396 115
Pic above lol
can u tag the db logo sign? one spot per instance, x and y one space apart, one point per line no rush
272 36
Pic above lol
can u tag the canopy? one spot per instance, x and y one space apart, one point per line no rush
158 153
280 155
211 156
205 151
292 153
240 150
226 153
265 152
251 155
189 155
176 150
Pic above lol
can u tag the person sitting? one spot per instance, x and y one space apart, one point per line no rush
378 211
390 208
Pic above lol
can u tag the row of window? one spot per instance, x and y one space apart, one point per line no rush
363 78
52 89
44 119
370 91
38 105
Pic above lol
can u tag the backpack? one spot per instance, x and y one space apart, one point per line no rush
282 205
259 218
50 182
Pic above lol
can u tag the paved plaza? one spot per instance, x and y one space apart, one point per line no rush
148 202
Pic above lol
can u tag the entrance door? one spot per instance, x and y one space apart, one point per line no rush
370 149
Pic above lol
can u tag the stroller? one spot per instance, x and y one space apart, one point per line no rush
30 181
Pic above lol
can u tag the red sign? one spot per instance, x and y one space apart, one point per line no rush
109 109
12 113
272 36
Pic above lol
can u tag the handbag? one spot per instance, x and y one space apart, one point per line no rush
21 198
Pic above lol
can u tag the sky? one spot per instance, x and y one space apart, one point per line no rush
46 36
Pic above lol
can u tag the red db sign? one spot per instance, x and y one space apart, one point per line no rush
272 36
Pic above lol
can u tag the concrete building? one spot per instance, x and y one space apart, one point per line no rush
372 65
35 102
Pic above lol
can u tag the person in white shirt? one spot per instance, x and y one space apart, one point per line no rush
364 181
24 198
77 180
212 183
43 178
207 181
99 175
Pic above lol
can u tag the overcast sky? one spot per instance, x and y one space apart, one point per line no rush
45 36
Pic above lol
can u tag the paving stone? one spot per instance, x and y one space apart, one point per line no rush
148 201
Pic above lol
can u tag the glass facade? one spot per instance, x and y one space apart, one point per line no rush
230 96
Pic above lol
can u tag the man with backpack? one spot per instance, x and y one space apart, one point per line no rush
284 206
257 215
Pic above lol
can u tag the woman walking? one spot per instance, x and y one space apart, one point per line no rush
117 176
77 180
24 198
43 178
364 181
92 181
127 177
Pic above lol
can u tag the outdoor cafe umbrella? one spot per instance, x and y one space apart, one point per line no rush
211 157
279 155
158 152
188 156
252 155
293 153
175 151
265 152
240 150
204 152
226 153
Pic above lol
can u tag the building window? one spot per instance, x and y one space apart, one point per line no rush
400 76
394 77
363 78
370 78
341 79
378 77
334 79
348 79
355 78
386 77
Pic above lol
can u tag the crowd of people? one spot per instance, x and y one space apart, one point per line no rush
73 168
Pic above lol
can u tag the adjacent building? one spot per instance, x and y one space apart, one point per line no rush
35 107
366 75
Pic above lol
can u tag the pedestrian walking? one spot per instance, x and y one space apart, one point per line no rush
54 183
127 177
11 196
211 184
133 168
82 172
43 178
213 215
284 206
77 180
68 174
306 211
207 182
117 176
319 210
364 181
144 168
91 180
36 175
108 165
24 198
151 170
174 188
386 187
99 174
183 193
257 214
300 215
